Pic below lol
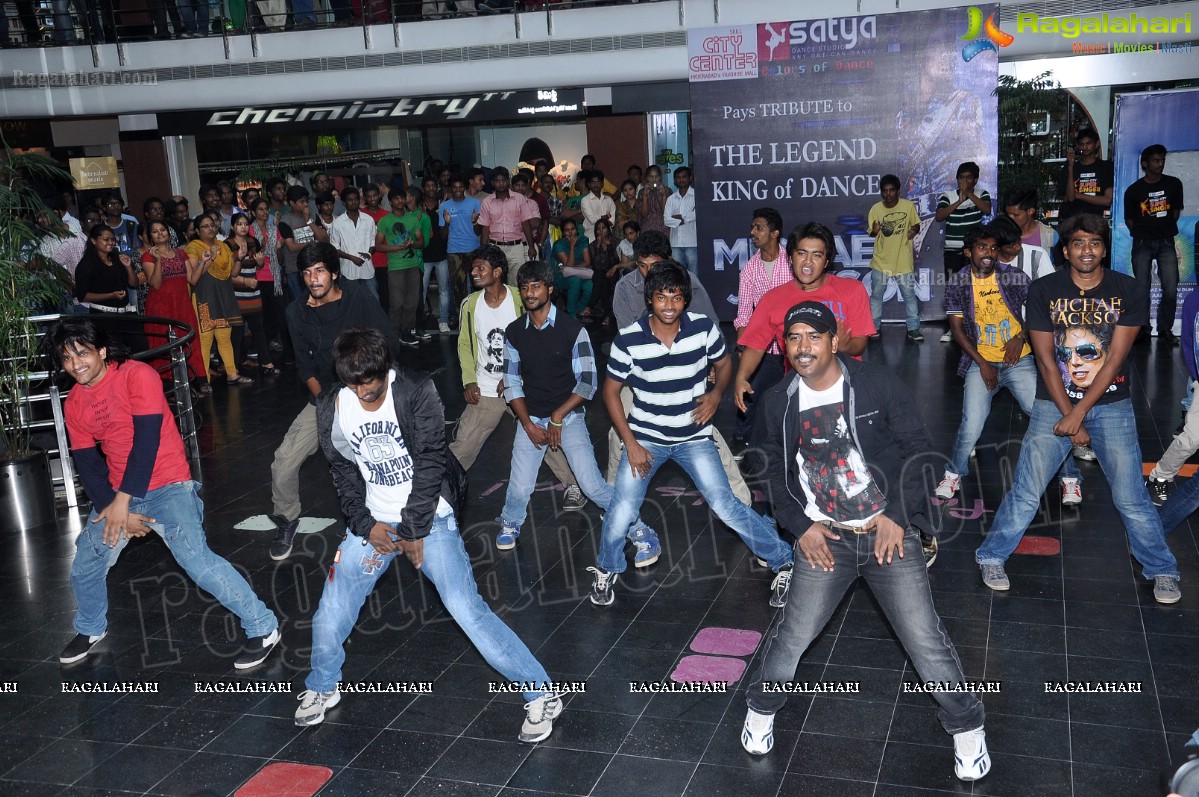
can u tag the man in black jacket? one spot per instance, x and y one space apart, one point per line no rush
842 443
314 321
383 432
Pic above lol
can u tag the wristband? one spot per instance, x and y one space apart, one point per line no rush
555 424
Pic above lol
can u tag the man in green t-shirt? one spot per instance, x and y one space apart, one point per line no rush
402 235
894 223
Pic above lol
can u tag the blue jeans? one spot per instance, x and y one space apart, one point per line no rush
445 291
580 455
1144 252
902 591
907 289
296 285
447 565
1021 380
1181 504
688 257
302 13
701 462
195 14
179 519
1113 430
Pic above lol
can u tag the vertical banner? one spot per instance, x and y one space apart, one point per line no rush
1169 118
807 116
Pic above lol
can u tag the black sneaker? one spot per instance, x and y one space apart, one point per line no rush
408 339
79 647
1159 490
256 650
422 334
284 537
738 448
779 587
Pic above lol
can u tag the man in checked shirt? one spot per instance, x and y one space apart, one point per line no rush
759 275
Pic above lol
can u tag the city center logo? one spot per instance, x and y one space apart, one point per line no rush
989 30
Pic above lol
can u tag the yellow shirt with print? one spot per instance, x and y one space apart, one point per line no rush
996 324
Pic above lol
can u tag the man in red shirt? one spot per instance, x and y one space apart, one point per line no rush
810 249
140 483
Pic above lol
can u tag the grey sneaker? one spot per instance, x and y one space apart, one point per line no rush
947 337
1165 589
1085 452
573 499
995 578
313 706
601 590
779 587
539 718
930 547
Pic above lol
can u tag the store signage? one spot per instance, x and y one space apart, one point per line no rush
488 106
92 173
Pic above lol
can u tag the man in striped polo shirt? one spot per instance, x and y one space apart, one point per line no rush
664 357
961 210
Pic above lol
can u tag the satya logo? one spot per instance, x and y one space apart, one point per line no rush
993 37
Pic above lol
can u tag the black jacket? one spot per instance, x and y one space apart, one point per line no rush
885 426
436 472
313 329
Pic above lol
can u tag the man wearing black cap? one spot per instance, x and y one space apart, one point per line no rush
844 438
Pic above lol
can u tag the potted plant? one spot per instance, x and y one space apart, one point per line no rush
1030 116
29 284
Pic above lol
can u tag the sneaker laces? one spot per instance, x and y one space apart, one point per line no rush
602 579
540 707
309 698
782 579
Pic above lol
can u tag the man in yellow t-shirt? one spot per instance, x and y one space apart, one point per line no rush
985 305
893 224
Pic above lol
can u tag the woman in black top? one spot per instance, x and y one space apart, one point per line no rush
103 280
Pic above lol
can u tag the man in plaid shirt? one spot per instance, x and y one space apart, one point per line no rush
759 275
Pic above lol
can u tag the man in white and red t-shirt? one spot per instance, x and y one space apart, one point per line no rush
140 483
810 249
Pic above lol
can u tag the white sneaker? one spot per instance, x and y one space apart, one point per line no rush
948 486
947 337
539 718
443 328
970 757
1071 492
757 734
313 705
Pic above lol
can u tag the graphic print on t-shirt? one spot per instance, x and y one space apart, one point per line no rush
493 355
380 448
1083 328
832 469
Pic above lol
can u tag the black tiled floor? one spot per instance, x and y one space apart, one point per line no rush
1081 616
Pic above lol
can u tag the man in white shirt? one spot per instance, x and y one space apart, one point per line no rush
596 205
679 217
353 235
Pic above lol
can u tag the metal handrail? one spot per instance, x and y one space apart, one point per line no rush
43 389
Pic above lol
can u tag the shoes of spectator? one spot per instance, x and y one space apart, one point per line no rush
1085 452
761 562
949 486
738 448
947 337
876 335
646 545
779 587
573 499
444 328
1071 492
422 334
757 734
1167 337
78 648
929 545
539 718
1166 590
915 336
284 537
409 339
602 593
313 706
256 650
1159 490
995 577
276 345
506 539
971 760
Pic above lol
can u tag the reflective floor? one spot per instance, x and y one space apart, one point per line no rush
1081 615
